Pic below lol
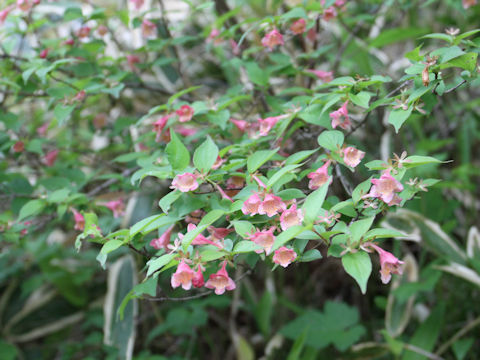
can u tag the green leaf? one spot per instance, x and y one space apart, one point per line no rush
287 235
177 154
381 233
398 117
467 62
313 203
278 175
256 74
414 55
31 208
361 99
181 93
361 190
158 263
259 158
396 35
417 160
359 266
310 255
168 200
243 228
63 112
110 246
299 156
58 196
142 224
331 139
245 246
205 155
359 228
211 255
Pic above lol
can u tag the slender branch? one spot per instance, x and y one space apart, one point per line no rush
455 87
109 182
458 335
420 351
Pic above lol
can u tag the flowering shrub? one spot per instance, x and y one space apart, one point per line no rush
265 161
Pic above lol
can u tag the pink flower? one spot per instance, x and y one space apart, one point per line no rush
235 47
137 3
42 130
24 5
116 206
163 241
220 281
272 39
352 156
298 27
214 37
389 264
325 76
291 217
185 182
51 157
267 124
219 233
198 280
132 60
265 239
271 205
319 177
159 125
340 117
199 239
43 54
468 3
185 131
385 188
183 276
79 220
284 256
219 162
4 13
80 96
329 13
241 125
223 193
251 205
185 113
148 28
83 32
102 30
19 146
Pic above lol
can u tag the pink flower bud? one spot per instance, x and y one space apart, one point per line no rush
42 130
43 54
329 13
265 125
79 220
18 147
80 96
132 60
220 281
325 76
198 280
51 157
116 206
69 42
185 182
468 3
284 256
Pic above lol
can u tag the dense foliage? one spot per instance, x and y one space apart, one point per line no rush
239 179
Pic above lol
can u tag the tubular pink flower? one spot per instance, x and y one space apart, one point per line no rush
468 3
183 276
116 206
385 188
319 177
235 47
132 60
42 130
284 256
267 124
389 264
272 39
291 217
220 281
340 117
79 220
241 125
219 233
271 205
163 241
251 205
223 193
352 157
185 131
185 113
51 157
198 280
149 29
329 13
298 27
200 239
325 76
137 3
265 239
159 125
185 182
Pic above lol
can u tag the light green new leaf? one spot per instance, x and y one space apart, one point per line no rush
359 266
205 155
177 154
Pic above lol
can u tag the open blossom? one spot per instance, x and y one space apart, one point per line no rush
24 5
183 276
19 146
79 220
389 264
137 3
352 156
298 27
220 281
251 205
284 256
185 182
271 205
291 217
198 280
468 3
385 188
267 124
272 39
163 241
325 76
218 162
340 117
185 113
159 125
83 32
319 177
51 157
148 28
219 233
132 60
265 239
329 13
241 125
214 37
116 206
